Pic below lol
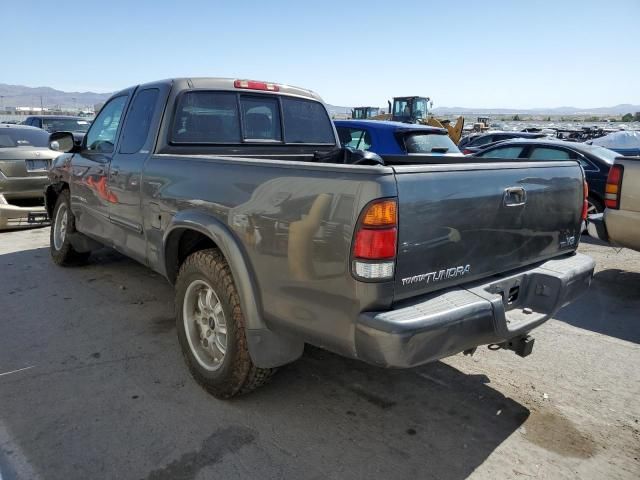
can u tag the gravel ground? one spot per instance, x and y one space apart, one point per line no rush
92 385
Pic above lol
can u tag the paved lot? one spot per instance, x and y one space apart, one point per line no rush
92 385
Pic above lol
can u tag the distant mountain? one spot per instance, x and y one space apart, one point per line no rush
338 111
614 110
21 96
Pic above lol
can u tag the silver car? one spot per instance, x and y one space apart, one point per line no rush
25 158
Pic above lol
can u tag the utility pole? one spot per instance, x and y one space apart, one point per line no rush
41 107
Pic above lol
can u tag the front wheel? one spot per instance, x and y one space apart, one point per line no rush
211 327
62 225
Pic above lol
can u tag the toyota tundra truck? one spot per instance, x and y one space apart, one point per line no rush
274 236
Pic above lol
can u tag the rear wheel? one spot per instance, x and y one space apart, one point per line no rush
594 206
62 225
211 327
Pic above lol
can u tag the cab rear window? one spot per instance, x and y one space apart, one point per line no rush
204 117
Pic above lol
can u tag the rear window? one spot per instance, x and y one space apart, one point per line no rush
306 122
214 117
23 137
429 143
207 117
261 117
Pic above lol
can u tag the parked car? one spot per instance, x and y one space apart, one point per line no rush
60 123
477 141
402 141
624 142
25 158
596 161
239 193
620 222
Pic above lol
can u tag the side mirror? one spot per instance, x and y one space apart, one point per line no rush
61 142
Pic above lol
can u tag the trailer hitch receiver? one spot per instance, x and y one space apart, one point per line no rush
522 345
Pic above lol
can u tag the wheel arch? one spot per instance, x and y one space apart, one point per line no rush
51 194
191 231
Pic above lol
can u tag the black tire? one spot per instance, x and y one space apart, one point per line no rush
596 204
61 250
236 373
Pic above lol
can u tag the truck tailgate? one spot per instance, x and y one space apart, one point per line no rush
464 222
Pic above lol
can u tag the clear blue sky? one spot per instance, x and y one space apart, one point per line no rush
484 53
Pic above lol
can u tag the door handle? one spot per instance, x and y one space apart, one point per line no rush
514 196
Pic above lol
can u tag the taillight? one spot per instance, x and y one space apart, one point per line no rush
612 190
375 241
254 85
585 203
466 151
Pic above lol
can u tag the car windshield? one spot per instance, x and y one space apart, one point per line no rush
65 125
424 142
23 137
603 153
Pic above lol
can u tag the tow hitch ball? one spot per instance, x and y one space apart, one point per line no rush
522 345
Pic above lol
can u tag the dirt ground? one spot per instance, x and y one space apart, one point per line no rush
92 385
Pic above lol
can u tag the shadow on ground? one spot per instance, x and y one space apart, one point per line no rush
120 403
610 306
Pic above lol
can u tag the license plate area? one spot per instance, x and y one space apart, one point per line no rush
37 217
37 165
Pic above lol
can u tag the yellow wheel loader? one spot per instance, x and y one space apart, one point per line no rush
415 110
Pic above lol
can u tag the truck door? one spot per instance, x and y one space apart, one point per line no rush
125 175
90 197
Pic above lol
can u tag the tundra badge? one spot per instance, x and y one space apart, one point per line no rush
439 275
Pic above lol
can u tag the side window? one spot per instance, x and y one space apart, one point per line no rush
101 137
548 153
206 117
504 152
136 127
356 138
261 117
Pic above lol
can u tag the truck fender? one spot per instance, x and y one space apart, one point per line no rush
268 349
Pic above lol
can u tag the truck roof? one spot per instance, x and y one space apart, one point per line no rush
219 83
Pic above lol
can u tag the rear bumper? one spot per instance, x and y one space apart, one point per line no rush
449 322
623 228
12 216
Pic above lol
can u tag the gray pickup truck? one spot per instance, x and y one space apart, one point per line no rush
238 193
